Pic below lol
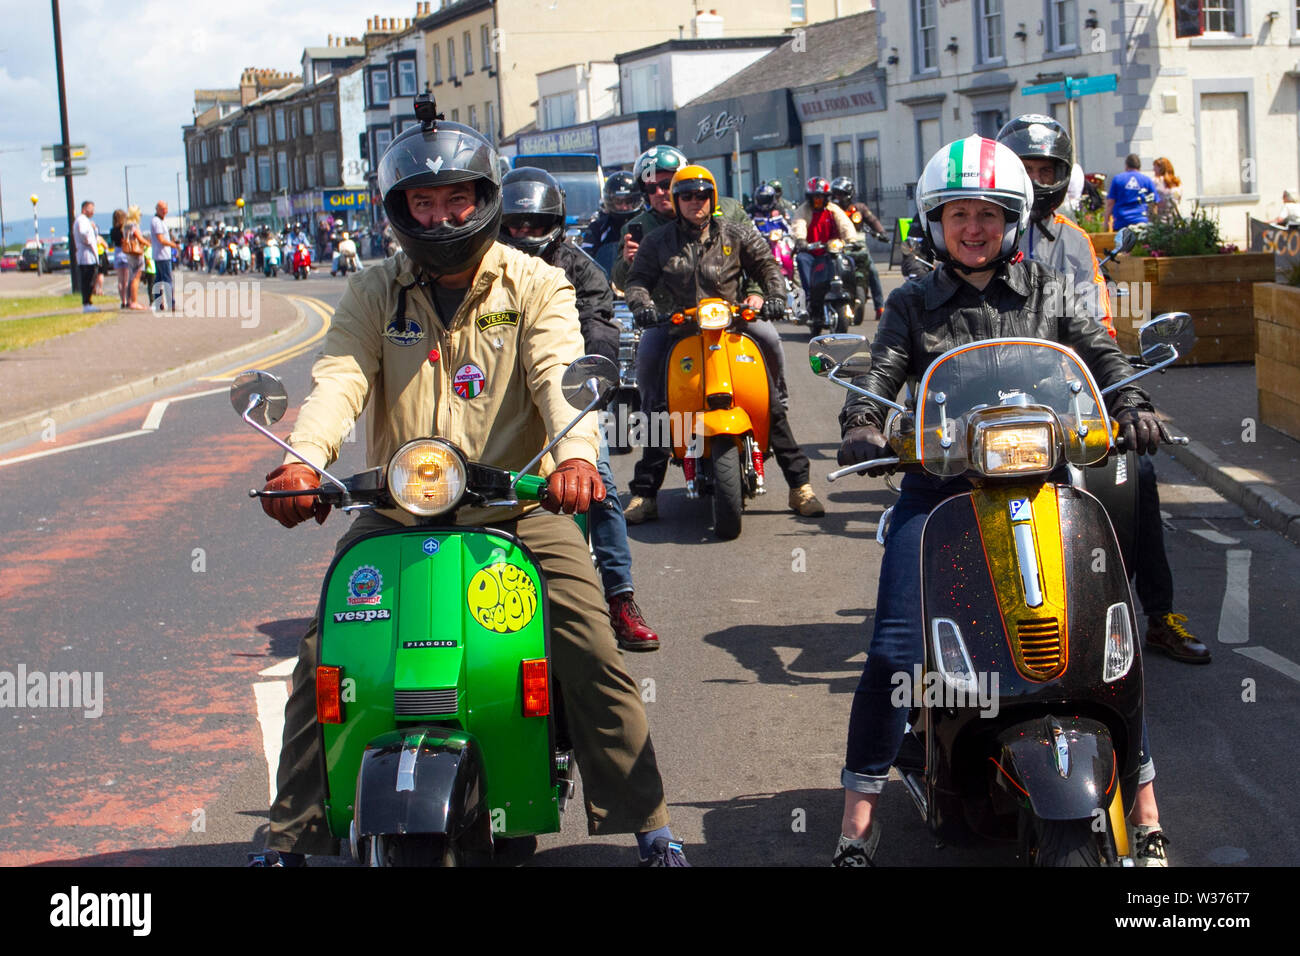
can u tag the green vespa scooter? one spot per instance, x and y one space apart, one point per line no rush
440 718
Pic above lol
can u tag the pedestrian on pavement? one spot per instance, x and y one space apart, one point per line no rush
455 287
160 238
135 244
1044 147
1290 215
120 265
1169 191
1131 196
85 237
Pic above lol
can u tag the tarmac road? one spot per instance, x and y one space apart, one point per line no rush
143 559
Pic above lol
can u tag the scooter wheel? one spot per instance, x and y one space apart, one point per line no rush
1058 843
728 497
419 849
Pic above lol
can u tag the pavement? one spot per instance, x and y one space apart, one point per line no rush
220 322
132 354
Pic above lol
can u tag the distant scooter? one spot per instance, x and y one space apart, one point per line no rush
301 262
271 260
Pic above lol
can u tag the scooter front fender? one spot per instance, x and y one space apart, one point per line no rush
1066 777
420 780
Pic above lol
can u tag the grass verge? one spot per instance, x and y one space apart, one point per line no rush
20 333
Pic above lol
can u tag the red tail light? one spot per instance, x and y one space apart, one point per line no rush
329 701
537 688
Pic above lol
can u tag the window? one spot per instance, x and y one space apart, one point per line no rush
293 125
490 122
310 162
281 169
263 129
382 138
642 88
404 125
1224 122
469 53
242 132
207 191
798 11
264 174
308 121
437 64
1065 25
814 159
378 88
326 115
927 140
297 173
280 134
927 36
405 77
329 162
989 25
451 58
227 193
455 116
473 117
558 110
223 144
1220 16
485 35
203 151
250 178
989 122
842 163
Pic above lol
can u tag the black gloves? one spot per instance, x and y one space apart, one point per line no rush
864 443
773 310
880 237
1139 430
646 317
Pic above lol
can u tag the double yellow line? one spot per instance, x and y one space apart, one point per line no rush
279 358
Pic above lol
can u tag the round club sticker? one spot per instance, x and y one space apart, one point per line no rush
468 381
365 586
502 598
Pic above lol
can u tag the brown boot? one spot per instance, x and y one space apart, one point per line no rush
804 502
630 628
1166 634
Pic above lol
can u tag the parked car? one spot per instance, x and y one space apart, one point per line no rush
57 256
32 258
9 262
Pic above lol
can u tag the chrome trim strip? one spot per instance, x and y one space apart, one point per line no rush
406 769
1027 557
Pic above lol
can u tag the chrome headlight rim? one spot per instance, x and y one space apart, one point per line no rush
986 425
713 315
426 511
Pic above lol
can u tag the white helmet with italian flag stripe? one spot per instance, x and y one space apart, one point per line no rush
975 168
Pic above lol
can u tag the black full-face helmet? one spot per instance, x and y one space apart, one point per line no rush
443 154
621 196
531 195
1035 136
842 191
765 198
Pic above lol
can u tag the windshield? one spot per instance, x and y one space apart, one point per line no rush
581 194
1008 372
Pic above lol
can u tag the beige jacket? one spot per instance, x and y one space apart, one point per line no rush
509 344
802 215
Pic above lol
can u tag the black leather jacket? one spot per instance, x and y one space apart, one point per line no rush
595 298
926 318
674 260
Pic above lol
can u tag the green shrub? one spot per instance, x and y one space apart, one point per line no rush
1194 235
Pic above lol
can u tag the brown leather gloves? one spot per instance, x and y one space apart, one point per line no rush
291 511
572 487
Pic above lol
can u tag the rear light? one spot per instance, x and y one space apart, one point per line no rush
329 701
537 688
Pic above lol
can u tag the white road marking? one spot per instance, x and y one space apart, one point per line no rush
1214 537
282 669
1234 618
154 418
1266 657
271 698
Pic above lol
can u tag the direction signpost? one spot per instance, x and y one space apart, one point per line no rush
1073 88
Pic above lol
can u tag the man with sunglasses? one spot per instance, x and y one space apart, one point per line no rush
699 256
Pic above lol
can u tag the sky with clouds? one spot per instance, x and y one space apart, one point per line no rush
130 72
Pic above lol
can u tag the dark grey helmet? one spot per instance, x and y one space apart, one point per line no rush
532 194
842 191
448 153
1035 136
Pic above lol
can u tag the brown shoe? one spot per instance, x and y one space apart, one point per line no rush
803 501
629 626
640 509
1167 635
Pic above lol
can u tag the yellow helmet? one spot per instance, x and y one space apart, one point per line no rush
691 179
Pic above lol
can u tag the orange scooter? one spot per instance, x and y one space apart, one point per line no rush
718 409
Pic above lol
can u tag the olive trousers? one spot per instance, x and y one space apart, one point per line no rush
607 722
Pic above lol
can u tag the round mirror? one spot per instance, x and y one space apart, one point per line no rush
849 353
264 388
1168 330
577 376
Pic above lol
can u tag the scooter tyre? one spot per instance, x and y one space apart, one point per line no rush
421 849
1057 843
728 500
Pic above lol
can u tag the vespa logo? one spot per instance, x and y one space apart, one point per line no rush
720 127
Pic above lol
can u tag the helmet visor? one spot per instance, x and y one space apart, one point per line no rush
449 154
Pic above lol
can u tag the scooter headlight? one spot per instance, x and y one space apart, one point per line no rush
426 477
713 315
835 246
1119 643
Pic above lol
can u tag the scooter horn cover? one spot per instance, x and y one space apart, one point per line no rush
451 153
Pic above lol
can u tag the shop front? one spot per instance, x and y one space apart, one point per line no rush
744 141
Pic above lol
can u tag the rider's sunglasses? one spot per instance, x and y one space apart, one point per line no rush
699 196
659 186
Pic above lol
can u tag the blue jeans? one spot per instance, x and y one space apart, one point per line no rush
163 283
876 726
609 533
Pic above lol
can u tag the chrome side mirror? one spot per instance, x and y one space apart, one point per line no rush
1125 240
585 374
1169 330
260 395
844 352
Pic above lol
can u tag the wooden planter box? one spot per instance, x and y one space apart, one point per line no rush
1102 243
1277 363
1215 290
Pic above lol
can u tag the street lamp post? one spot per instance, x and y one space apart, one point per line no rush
127 177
